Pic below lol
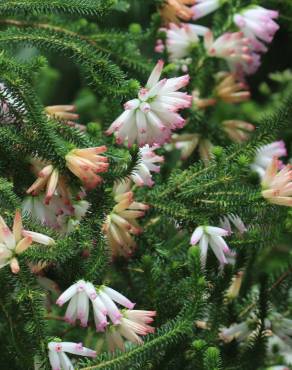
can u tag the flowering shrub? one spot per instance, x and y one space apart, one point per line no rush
144 157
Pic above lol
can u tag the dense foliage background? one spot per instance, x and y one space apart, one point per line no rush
96 55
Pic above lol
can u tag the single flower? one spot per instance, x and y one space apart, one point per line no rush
213 236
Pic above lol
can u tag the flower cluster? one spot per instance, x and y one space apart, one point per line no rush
129 323
277 186
86 164
148 163
121 224
152 117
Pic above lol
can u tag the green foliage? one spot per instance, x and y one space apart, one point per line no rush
95 54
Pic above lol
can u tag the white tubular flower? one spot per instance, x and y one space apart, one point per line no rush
102 299
278 367
277 186
265 155
58 358
205 7
151 117
121 224
134 324
210 235
257 24
236 221
13 243
235 49
180 39
142 173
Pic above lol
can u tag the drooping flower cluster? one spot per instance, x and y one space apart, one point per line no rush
15 242
257 23
238 131
213 236
121 224
142 172
126 323
265 155
134 324
187 143
229 89
47 178
180 39
236 49
57 354
236 221
277 186
152 117
86 164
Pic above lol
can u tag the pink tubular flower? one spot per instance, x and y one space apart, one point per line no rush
134 324
235 49
121 224
257 24
58 358
102 299
181 38
210 235
86 163
65 113
16 242
205 7
142 172
265 155
230 90
277 186
238 131
151 118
